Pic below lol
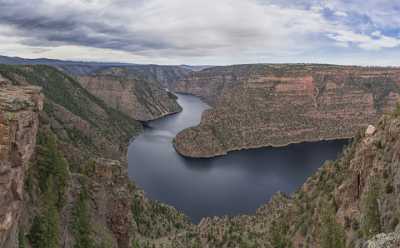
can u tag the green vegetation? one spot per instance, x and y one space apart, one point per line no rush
51 175
45 228
81 222
51 163
332 233
154 219
135 244
370 223
21 239
279 231
65 91
396 112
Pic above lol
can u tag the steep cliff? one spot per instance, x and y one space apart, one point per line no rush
131 93
76 191
274 105
19 123
166 75
83 123
346 203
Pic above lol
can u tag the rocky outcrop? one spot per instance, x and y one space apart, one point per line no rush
131 94
382 240
19 123
275 105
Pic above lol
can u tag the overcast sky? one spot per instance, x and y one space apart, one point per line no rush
365 32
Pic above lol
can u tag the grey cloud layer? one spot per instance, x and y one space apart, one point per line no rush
190 28
181 27
51 27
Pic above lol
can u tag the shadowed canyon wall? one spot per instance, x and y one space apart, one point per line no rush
137 97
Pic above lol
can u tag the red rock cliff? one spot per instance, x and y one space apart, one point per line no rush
274 105
19 107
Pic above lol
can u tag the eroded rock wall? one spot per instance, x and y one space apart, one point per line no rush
131 94
19 123
275 105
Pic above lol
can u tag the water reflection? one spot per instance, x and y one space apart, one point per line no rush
237 183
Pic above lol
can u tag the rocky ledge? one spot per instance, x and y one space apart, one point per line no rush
19 111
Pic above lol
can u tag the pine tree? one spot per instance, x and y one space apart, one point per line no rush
332 233
370 223
81 225
279 231
52 163
21 239
45 228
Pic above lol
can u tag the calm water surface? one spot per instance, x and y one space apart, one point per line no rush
237 183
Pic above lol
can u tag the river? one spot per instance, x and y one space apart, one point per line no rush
238 183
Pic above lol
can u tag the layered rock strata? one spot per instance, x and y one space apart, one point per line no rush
275 105
131 94
19 123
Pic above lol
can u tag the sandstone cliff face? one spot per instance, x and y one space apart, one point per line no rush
131 94
19 122
274 105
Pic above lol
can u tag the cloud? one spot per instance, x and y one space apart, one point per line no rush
224 31
182 28
340 13
375 41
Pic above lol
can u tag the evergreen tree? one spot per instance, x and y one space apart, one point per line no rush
279 231
135 244
370 223
45 228
332 233
51 163
21 239
81 224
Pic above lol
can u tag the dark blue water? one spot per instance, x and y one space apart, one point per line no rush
237 183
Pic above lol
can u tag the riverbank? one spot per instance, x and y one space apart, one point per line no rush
237 183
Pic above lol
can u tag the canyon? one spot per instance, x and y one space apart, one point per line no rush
63 159
75 146
135 96
278 104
